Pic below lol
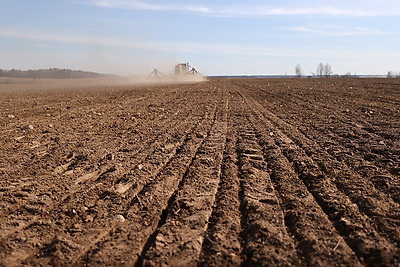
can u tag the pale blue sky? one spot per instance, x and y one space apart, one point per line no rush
217 37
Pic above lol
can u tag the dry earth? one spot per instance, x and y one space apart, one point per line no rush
221 173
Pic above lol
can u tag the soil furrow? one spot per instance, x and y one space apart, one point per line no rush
179 241
390 252
317 238
221 246
383 211
265 236
341 141
349 222
370 169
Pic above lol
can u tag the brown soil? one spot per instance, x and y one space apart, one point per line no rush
227 172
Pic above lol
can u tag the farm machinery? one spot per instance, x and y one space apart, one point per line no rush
184 68
181 69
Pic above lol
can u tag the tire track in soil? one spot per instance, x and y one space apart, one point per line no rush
262 232
179 240
265 236
356 228
222 244
69 221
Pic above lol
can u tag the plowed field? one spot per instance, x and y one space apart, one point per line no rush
221 173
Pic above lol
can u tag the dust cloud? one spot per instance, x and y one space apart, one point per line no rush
9 85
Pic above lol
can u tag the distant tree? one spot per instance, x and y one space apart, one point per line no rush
298 70
393 74
320 69
347 74
327 70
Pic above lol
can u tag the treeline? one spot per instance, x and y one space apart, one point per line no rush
393 74
53 73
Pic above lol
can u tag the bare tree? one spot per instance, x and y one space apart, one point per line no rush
298 70
347 74
327 70
320 69
393 74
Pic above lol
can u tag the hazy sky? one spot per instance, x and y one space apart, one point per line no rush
217 37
